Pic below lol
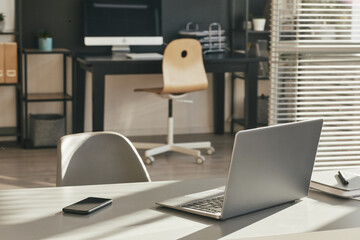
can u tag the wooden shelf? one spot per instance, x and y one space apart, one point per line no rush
258 32
39 97
9 33
8 84
250 31
8 131
53 51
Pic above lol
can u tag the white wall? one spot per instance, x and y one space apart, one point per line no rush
125 111
137 113
8 7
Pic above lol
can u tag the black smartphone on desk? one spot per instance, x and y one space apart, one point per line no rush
87 205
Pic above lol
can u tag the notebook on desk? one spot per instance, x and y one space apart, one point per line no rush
329 182
269 166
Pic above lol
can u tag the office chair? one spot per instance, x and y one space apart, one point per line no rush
98 158
183 72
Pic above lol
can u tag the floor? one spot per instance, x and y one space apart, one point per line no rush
26 168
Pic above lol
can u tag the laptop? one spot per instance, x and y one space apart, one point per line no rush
269 166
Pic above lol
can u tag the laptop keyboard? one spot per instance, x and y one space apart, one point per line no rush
211 205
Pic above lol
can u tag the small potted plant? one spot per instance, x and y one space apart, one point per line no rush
44 40
2 22
259 23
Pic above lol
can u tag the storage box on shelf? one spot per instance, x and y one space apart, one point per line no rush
46 129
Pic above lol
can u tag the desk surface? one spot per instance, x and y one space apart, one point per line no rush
216 62
214 57
36 214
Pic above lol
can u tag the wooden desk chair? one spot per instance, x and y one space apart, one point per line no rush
98 158
183 72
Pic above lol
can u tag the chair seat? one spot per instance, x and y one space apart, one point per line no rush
162 93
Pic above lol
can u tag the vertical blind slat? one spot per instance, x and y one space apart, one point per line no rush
315 72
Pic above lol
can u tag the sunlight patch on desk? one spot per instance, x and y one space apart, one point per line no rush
19 208
7 182
28 205
343 234
144 224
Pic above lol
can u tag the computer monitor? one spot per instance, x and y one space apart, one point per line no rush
121 23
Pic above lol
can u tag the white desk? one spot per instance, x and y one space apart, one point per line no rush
36 214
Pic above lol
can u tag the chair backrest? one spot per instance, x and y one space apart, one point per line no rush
183 67
98 158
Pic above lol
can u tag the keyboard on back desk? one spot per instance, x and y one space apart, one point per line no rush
144 56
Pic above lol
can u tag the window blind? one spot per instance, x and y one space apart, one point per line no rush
315 73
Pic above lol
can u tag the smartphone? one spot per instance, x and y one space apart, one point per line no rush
87 205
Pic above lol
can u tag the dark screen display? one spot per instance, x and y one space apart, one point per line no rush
111 18
87 204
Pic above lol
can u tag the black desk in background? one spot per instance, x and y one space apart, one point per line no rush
216 63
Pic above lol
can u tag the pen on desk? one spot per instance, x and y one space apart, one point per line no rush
342 179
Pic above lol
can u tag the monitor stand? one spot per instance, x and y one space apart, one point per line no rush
120 50
124 52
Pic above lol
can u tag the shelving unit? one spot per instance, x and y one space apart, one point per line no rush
15 130
241 39
27 98
241 35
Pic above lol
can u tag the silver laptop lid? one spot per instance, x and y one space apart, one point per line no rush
270 166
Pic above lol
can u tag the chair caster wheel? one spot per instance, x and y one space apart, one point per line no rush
210 151
149 160
200 160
